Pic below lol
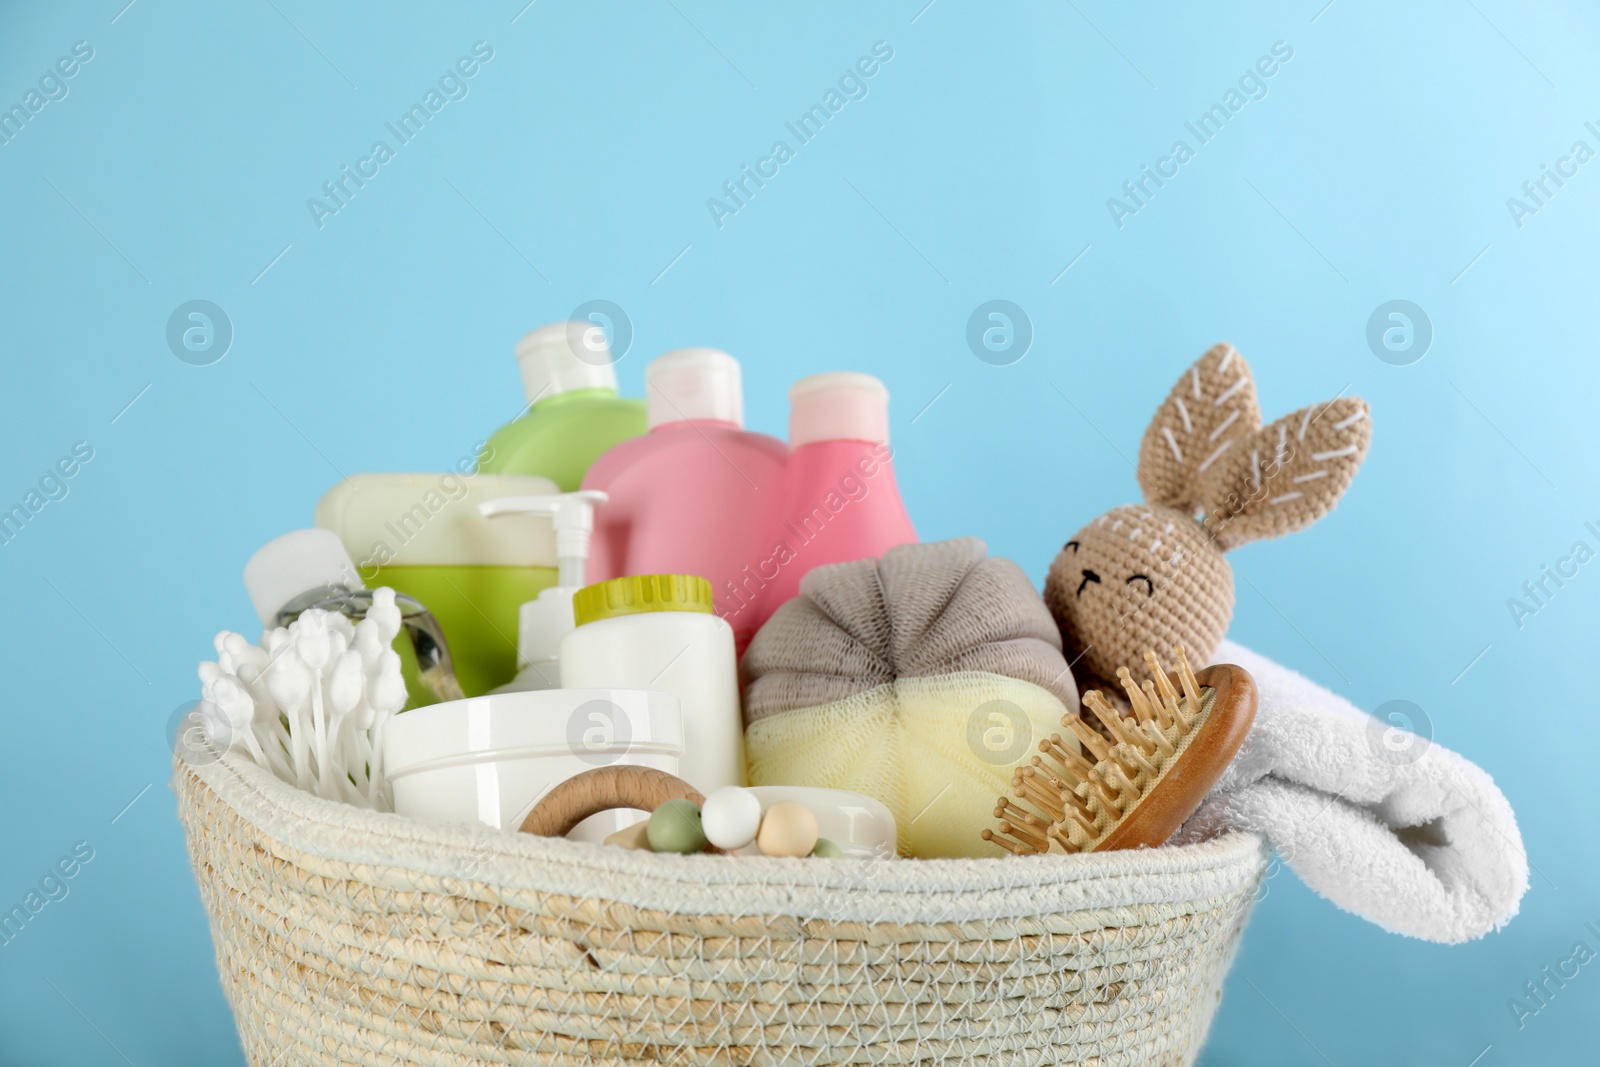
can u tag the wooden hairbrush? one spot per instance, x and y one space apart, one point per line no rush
1145 778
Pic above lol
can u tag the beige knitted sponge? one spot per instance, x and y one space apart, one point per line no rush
1151 576
921 679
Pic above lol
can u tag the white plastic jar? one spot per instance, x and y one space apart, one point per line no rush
658 631
489 759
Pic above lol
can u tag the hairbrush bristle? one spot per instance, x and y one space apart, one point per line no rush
1070 801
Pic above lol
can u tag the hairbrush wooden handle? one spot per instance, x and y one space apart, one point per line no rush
1216 741
603 789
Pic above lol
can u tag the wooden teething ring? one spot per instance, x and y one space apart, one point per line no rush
603 789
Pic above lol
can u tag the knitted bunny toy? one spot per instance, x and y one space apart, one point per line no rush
1152 575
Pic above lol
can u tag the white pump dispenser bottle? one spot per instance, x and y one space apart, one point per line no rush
542 623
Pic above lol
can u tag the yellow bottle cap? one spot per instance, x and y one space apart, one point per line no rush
640 593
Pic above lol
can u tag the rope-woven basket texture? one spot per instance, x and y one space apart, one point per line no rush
346 936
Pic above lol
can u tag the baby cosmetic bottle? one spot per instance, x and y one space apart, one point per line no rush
696 495
841 501
657 631
423 535
574 413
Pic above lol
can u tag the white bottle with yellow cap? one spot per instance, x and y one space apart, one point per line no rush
658 631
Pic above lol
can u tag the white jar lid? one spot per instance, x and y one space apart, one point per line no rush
593 724
294 564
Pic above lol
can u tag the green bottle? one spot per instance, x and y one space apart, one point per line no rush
574 413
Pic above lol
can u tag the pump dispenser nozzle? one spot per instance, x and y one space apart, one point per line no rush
542 623
572 515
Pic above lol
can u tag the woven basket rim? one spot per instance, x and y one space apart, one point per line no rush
390 850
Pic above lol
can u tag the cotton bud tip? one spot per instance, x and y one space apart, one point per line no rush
346 683
369 641
387 686
251 662
288 680
312 639
232 702
385 613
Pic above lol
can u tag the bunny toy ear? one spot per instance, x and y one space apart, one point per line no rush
1210 409
1287 475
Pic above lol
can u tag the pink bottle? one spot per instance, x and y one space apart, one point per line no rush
697 494
841 501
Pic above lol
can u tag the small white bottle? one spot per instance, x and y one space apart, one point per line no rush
543 623
658 631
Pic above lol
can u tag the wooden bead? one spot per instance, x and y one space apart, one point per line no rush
675 827
731 816
787 829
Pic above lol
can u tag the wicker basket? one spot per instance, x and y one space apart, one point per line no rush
345 936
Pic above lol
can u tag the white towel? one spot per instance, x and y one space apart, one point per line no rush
1398 830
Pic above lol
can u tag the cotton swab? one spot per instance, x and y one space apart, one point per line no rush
310 703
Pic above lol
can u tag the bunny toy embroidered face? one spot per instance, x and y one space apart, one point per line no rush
1153 575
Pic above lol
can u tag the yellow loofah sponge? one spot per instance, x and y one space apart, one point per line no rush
934 750
921 679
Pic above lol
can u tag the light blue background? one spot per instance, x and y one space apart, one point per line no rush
978 167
